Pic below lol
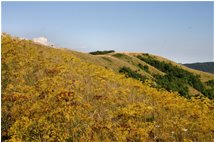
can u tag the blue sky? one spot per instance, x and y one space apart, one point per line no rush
180 31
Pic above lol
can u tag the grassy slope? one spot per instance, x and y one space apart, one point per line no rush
204 75
129 60
50 94
115 63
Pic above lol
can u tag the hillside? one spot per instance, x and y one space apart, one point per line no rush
206 66
188 82
51 94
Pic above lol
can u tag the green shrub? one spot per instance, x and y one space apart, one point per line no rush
178 74
171 83
132 74
210 83
145 68
119 55
101 52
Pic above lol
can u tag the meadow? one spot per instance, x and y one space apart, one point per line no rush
50 94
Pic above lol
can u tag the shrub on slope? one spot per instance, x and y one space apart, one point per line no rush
101 52
176 73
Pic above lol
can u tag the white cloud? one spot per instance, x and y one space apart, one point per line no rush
42 40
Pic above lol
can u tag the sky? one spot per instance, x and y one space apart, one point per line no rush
180 31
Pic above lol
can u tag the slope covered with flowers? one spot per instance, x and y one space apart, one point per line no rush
49 94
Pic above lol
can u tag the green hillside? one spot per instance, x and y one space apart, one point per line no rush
188 82
51 94
206 66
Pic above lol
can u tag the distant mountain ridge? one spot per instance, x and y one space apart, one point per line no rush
204 66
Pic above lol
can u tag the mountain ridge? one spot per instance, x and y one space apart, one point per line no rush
202 66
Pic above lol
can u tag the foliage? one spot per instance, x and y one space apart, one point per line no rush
210 88
172 83
144 67
132 74
177 73
210 83
209 92
48 94
101 52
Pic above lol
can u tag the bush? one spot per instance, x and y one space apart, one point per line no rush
178 73
209 93
171 83
210 83
131 73
145 68
101 52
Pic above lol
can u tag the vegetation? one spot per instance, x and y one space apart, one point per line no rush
210 83
132 74
210 88
101 52
119 55
48 94
129 60
145 68
175 74
172 83
206 66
